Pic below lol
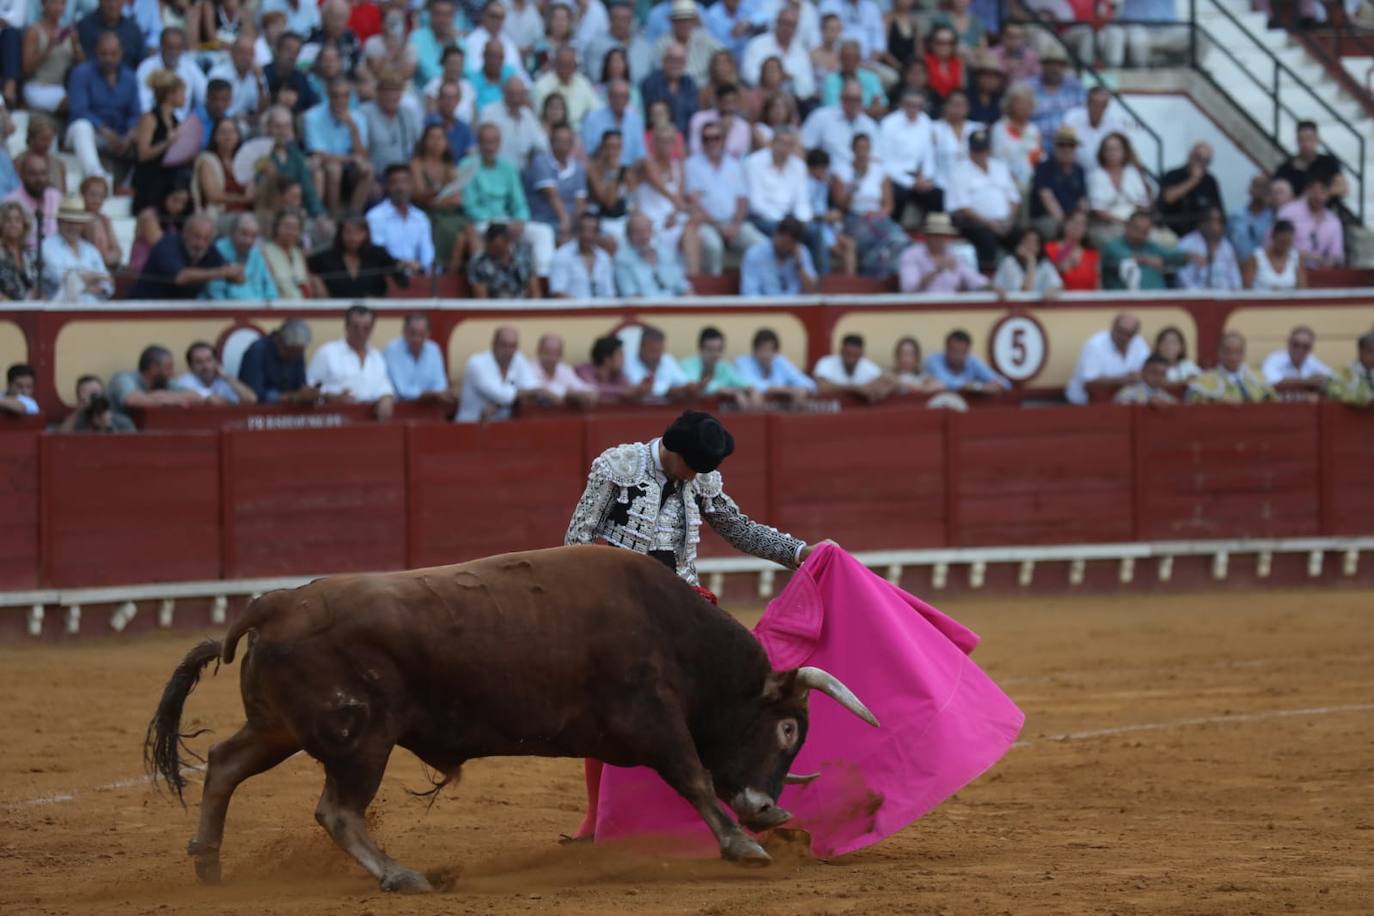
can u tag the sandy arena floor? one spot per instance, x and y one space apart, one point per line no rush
1193 754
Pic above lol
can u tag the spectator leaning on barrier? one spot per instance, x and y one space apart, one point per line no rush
274 366
1231 382
558 378
207 379
1294 371
20 381
850 372
770 373
654 362
351 370
781 266
959 370
502 270
496 380
182 264
150 384
415 365
1354 384
713 373
93 412
606 372
1110 357
1150 387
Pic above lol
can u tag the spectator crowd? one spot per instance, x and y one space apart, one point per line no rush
635 366
584 149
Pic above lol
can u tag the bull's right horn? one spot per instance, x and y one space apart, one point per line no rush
828 684
800 779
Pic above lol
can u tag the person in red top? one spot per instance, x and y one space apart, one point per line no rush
365 20
944 66
1077 264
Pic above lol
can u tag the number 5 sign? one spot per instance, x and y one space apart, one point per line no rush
1018 347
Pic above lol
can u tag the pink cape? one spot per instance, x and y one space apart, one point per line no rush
944 722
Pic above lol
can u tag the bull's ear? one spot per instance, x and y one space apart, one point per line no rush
780 685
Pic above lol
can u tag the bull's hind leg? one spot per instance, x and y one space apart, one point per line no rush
247 753
349 786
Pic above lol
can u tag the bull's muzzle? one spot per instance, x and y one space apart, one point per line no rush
757 811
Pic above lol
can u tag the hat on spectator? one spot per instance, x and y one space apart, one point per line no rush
1055 52
984 61
1066 134
939 224
73 210
700 439
683 9
978 142
391 82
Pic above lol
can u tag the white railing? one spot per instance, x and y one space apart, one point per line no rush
892 563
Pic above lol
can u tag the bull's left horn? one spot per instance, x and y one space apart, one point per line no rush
799 779
828 684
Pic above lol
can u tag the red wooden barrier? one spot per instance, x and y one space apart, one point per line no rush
130 508
478 489
277 416
19 517
321 500
1228 472
1348 469
867 479
1042 476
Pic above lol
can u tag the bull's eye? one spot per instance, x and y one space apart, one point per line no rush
787 733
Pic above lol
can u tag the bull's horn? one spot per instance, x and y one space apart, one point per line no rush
798 779
828 684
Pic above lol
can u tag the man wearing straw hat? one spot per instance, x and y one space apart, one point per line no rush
932 268
73 270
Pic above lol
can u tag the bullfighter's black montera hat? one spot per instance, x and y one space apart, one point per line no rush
700 439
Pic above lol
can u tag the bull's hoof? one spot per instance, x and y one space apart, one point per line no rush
207 869
405 881
740 848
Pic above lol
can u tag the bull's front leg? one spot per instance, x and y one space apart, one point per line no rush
690 780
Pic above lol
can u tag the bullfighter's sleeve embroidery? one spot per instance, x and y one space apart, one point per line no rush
590 515
741 531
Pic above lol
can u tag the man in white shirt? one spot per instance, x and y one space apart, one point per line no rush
1216 266
399 226
1092 122
496 379
577 91
808 19
850 372
558 378
783 44
652 359
906 147
493 26
863 22
521 132
172 57
248 85
302 16
719 195
982 198
350 370
776 180
581 268
1110 357
73 270
1294 370
834 127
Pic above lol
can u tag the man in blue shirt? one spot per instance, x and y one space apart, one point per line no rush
274 366
617 115
102 100
109 17
181 264
772 374
1249 227
673 86
241 247
959 370
445 114
780 267
336 137
282 72
732 23
415 366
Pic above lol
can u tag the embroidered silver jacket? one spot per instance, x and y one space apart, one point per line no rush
621 507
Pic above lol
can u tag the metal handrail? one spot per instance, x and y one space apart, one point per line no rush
1280 69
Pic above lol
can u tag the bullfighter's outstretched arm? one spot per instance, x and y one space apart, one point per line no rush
749 536
592 508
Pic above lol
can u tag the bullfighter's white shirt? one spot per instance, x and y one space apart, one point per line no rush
337 370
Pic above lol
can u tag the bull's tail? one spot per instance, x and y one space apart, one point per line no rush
257 613
165 742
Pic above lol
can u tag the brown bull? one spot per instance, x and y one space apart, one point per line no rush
570 652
